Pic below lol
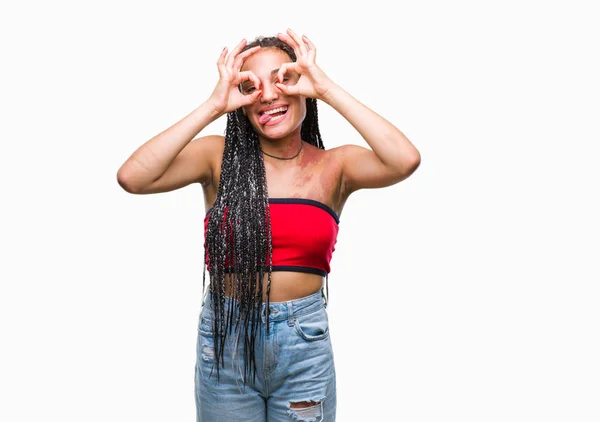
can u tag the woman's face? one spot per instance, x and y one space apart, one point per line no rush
274 114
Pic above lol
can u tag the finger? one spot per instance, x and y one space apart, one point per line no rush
297 40
312 50
283 69
237 64
221 59
249 76
287 90
288 40
251 98
254 96
221 63
309 43
235 52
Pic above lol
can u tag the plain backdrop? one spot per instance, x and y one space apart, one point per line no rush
468 292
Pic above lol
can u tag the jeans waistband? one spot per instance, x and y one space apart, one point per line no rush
281 311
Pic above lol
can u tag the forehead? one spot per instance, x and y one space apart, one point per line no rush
265 60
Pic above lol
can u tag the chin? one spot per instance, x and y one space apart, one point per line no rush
275 134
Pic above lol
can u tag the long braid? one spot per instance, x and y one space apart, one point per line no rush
238 235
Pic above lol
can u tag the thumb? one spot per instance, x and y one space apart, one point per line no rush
256 94
284 88
252 98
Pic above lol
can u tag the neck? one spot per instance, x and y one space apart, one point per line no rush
282 147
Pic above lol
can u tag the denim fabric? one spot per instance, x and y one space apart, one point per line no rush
294 361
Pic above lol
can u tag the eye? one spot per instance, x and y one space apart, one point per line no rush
248 89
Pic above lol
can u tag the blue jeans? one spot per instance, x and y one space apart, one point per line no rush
294 361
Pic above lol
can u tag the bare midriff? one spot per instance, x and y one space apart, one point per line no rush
285 285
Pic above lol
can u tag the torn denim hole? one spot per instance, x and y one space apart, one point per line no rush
208 353
311 413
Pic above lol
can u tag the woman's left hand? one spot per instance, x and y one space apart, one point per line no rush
312 82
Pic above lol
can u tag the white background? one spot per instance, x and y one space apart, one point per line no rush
467 292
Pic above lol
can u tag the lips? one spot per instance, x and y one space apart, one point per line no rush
272 113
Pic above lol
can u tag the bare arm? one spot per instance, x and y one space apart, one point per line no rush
392 156
169 160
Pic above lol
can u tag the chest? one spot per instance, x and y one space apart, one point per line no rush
317 177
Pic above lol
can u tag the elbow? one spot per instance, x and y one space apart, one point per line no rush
125 181
408 166
412 161
413 164
415 161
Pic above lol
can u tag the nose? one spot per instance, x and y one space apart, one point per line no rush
270 93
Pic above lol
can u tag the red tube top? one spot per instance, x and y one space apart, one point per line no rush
304 233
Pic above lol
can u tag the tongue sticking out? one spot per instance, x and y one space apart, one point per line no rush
264 118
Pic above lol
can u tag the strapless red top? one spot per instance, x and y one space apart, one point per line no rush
304 233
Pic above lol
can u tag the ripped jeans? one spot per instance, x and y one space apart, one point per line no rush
295 377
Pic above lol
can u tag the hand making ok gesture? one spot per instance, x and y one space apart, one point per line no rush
313 83
226 96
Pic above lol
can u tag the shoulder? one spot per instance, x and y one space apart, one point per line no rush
213 145
344 151
361 168
330 160
204 153
332 155
343 156
207 145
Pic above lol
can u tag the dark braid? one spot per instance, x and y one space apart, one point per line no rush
244 236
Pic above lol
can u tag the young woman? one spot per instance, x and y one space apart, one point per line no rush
274 196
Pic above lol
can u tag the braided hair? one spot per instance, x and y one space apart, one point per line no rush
237 245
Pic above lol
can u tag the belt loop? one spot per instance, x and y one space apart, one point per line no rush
263 312
204 297
324 298
291 317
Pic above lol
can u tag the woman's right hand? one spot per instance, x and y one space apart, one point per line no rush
226 96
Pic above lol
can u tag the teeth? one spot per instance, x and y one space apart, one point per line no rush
276 110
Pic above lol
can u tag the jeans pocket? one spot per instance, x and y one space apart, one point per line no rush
313 326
